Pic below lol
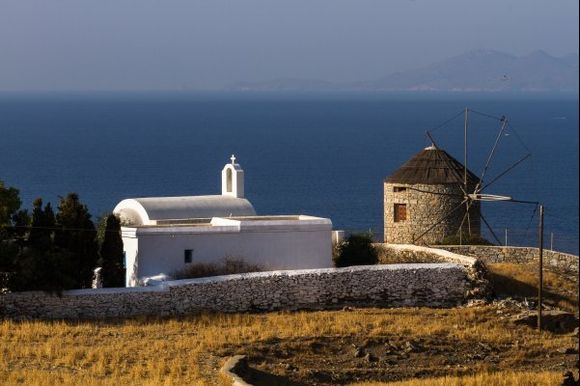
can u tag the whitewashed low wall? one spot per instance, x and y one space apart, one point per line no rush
433 285
411 252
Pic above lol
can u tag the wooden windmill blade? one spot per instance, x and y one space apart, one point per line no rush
473 195
472 198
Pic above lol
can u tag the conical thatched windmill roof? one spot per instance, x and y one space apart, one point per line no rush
431 166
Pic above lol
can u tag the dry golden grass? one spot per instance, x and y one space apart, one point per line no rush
187 350
521 280
182 350
506 378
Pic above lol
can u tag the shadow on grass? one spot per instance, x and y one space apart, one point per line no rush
508 286
262 378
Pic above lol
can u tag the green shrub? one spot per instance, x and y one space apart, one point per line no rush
357 249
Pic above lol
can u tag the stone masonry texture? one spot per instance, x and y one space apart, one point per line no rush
560 262
426 206
434 285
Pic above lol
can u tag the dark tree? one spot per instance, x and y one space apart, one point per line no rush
43 223
32 263
9 205
20 225
112 256
9 249
357 249
40 266
76 234
42 271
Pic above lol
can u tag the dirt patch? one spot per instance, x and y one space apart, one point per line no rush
331 360
342 360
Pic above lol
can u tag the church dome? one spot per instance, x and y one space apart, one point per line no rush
431 166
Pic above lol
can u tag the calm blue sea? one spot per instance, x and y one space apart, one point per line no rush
318 154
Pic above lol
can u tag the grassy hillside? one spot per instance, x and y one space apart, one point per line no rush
467 345
313 345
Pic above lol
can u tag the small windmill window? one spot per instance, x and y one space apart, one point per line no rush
400 212
398 189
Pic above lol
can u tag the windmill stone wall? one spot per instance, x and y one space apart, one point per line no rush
429 188
423 211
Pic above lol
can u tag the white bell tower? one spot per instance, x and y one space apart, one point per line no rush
233 179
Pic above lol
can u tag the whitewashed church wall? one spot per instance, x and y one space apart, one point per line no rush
130 248
433 285
164 252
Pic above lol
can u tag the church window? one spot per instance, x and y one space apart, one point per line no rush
188 256
400 212
397 189
229 180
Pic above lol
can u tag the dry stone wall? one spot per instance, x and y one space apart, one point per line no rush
87 304
478 285
557 261
434 285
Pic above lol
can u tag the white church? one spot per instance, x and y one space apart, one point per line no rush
162 235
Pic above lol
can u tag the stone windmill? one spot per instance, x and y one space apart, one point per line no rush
433 196
424 190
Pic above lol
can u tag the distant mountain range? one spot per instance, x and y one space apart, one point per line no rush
475 71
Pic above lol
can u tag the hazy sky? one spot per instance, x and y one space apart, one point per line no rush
174 44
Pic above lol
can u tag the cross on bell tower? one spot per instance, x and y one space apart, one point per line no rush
233 179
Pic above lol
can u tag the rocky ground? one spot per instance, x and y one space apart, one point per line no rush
331 360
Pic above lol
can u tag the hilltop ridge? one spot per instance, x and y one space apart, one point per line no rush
473 71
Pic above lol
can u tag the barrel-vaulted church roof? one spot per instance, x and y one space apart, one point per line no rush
195 209
149 210
431 166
